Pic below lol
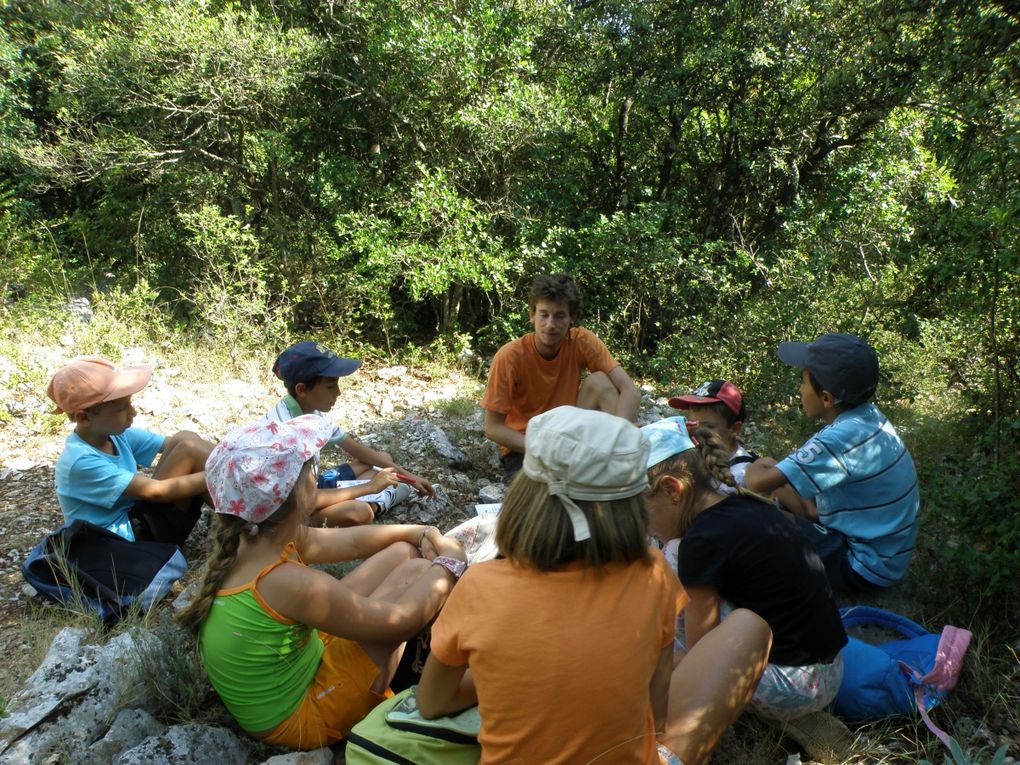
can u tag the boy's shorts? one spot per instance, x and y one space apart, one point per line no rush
328 479
834 550
512 463
339 696
164 522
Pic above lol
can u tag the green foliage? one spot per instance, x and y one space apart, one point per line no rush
173 671
16 130
978 508
233 291
959 757
434 243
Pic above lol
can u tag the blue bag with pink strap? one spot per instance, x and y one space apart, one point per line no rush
901 676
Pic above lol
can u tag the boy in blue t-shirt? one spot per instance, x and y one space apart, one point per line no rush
854 478
97 476
311 373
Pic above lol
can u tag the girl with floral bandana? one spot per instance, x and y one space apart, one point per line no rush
296 655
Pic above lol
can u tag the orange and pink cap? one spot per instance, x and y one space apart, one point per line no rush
90 380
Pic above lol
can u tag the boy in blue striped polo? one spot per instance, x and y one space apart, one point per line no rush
854 477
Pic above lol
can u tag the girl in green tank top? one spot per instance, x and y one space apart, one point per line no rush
276 636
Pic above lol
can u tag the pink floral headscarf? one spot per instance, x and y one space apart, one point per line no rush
252 471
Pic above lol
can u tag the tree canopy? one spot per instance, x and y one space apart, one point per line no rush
718 175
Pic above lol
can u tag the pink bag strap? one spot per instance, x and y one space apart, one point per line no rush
949 658
944 674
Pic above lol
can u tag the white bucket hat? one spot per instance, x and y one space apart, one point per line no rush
584 454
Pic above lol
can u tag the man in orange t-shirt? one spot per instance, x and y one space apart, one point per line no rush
542 370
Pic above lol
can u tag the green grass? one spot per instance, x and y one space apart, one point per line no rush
459 407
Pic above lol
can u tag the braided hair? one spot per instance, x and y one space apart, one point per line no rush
225 532
699 470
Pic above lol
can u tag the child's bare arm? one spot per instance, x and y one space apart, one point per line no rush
332 545
369 456
764 477
166 489
444 690
315 598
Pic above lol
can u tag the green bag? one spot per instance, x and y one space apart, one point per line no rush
395 732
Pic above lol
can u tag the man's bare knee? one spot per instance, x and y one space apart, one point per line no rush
598 392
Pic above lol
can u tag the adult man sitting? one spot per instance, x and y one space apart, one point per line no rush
542 370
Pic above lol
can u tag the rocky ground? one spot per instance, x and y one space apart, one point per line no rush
431 425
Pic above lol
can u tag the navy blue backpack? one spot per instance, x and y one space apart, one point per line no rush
84 565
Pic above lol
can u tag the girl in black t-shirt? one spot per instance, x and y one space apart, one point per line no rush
740 551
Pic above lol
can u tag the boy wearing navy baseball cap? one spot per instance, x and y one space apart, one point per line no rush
311 373
855 476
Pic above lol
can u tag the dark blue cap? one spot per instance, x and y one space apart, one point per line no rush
844 365
307 359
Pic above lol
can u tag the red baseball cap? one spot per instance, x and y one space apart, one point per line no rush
89 380
711 392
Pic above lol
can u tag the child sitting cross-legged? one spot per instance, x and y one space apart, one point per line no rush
566 645
853 485
296 655
740 551
97 473
372 481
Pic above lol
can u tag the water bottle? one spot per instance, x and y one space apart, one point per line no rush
328 478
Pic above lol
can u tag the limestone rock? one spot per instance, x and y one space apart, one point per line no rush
131 728
438 442
189 743
492 493
315 757
72 698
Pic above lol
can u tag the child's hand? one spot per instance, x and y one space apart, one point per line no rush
441 545
423 486
427 547
382 480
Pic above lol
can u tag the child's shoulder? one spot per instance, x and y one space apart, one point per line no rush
850 427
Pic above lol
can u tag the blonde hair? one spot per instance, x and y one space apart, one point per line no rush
699 470
225 532
535 530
